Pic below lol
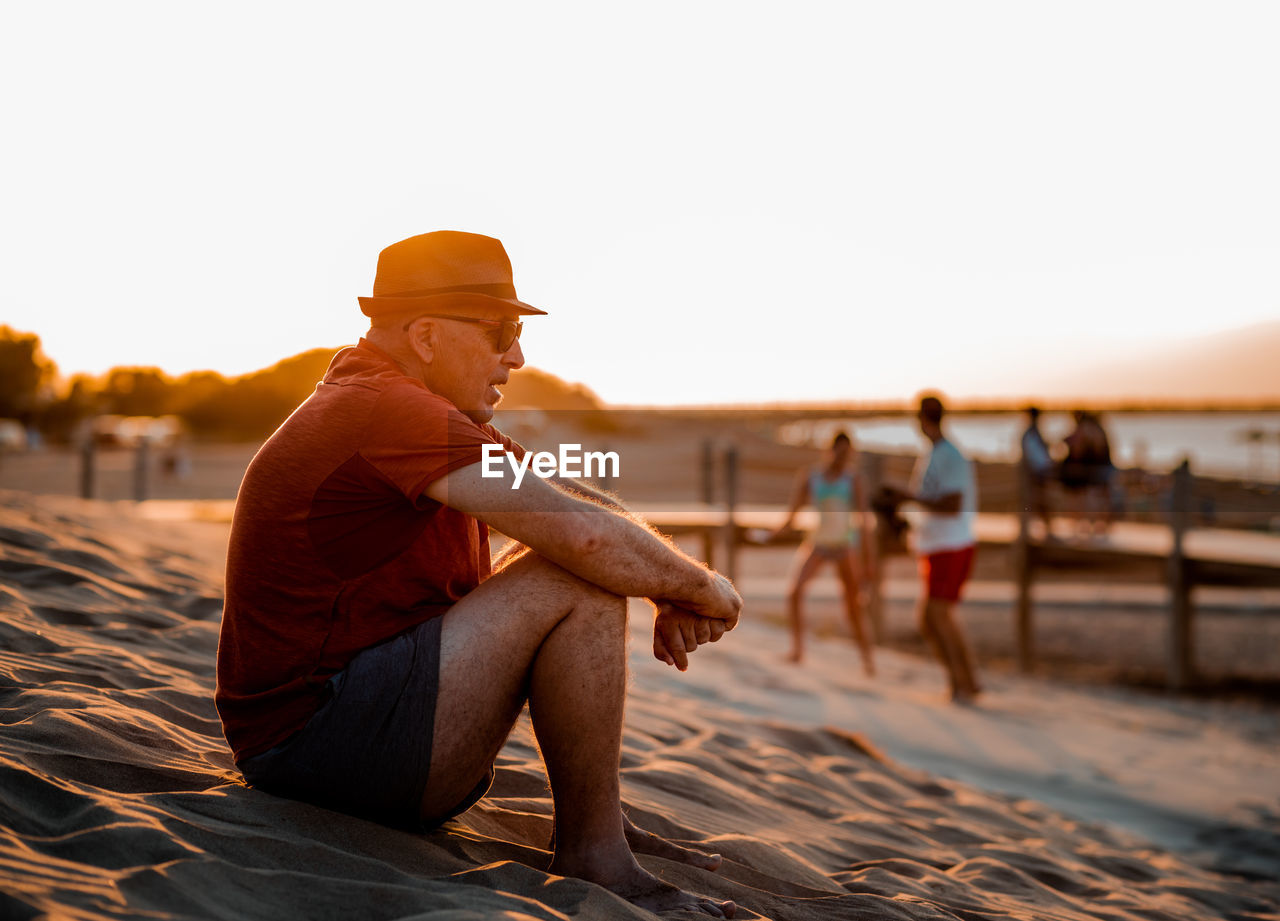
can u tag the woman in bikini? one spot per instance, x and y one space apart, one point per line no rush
836 489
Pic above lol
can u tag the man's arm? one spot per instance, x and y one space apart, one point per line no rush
592 542
513 549
799 496
946 504
582 489
938 487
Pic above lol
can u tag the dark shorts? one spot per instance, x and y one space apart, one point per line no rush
367 750
945 572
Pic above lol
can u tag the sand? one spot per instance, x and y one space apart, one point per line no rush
830 796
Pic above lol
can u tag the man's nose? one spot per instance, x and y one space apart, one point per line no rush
513 358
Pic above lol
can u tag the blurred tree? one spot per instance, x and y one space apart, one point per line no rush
136 392
254 405
533 388
25 374
61 416
248 407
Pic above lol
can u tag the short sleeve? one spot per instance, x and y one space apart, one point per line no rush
944 475
414 437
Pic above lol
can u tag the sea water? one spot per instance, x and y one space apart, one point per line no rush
1243 445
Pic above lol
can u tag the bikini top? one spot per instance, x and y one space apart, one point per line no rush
823 492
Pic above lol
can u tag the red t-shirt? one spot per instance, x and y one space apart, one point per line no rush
334 547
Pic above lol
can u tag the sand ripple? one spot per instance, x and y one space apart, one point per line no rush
118 798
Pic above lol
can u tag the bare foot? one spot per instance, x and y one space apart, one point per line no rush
657 896
795 658
632 882
643 842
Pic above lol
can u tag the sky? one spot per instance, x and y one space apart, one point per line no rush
716 202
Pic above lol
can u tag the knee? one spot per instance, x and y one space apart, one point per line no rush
600 617
536 568
581 596
935 612
600 603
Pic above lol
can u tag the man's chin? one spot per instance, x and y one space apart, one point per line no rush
479 416
484 412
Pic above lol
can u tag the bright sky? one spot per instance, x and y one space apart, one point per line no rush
717 202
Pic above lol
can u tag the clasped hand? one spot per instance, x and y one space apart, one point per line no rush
677 631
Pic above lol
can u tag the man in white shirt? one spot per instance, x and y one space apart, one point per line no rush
943 485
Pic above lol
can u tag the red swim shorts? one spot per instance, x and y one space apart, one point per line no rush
945 572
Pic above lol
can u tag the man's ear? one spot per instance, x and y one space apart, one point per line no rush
424 338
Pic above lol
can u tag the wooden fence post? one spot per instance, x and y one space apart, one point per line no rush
708 496
140 465
873 467
730 501
88 459
1023 564
708 471
1181 663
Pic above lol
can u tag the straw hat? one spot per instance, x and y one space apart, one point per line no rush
463 271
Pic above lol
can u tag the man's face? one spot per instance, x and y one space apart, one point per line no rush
928 428
467 369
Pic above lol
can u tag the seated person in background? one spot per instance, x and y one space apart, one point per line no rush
1087 472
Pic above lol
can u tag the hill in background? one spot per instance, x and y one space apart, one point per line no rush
1240 366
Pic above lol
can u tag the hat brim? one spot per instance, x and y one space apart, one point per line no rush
483 304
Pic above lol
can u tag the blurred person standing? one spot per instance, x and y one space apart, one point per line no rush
1039 469
943 485
838 491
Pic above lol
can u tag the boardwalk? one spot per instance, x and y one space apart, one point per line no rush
1202 557
1235 563
1126 539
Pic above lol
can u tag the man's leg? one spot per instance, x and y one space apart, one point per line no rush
939 628
952 649
534 630
964 656
928 629
925 620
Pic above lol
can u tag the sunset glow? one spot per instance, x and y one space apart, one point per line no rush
715 203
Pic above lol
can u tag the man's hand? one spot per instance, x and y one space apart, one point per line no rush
719 601
678 632
890 494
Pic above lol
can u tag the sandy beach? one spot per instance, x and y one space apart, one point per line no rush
830 796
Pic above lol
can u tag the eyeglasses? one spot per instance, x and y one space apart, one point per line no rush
507 331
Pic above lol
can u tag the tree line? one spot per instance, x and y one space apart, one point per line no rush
245 407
